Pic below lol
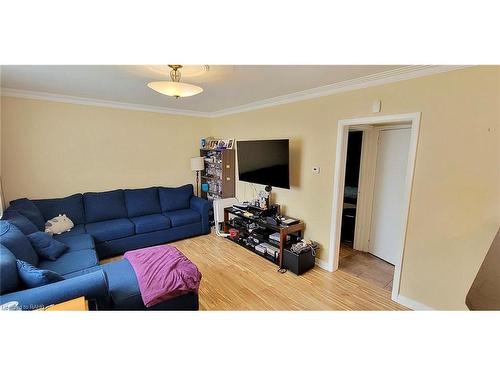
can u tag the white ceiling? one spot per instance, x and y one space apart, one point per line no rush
225 86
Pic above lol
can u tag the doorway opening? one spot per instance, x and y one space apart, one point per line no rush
372 187
351 186
359 261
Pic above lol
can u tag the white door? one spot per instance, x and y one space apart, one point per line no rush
389 191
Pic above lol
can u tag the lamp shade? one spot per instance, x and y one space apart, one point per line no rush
176 89
197 163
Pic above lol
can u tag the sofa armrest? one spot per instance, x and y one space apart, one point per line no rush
201 206
92 285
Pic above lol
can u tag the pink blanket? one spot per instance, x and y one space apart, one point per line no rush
163 272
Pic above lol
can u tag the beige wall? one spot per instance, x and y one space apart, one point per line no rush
455 204
54 149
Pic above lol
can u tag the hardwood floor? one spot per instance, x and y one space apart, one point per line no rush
236 279
366 266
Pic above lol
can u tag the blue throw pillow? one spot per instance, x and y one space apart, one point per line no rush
33 277
28 209
18 244
8 271
20 221
46 246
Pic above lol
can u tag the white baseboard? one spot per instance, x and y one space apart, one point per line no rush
411 304
324 265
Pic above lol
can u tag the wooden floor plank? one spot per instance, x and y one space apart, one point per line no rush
366 266
236 279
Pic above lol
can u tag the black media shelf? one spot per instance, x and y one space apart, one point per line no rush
250 248
288 244
261 229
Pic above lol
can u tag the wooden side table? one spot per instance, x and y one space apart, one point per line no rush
284 231
77 304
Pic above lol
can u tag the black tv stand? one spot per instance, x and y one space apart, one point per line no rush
294 231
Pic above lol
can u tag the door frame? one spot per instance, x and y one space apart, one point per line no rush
343 126
365 188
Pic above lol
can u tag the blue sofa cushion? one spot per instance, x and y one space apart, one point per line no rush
72 206
8 271
20 221
142 202
104 206
183 217
45 246
76 230
30 210
175 198
18 244
110 229
150 223
123 285
83 272
71 262
33 277
78 242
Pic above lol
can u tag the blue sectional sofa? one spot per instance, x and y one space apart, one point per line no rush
106 224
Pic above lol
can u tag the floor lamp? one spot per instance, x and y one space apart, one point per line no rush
197 165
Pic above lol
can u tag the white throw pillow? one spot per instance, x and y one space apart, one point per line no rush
58 225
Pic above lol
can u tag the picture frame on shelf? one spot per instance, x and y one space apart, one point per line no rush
230 144
222 144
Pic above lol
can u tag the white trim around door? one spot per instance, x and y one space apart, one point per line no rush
411 119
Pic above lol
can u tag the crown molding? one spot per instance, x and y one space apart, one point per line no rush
38 95
390 76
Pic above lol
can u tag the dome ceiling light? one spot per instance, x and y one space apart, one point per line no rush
175 88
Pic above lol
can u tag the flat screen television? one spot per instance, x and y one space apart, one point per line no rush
264 162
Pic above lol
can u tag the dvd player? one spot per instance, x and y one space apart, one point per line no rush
241 206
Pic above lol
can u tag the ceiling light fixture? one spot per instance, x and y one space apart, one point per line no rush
175 88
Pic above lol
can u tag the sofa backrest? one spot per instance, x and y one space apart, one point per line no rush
8 271
93 207
175 198
17 243
103 206
71 206
142 202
